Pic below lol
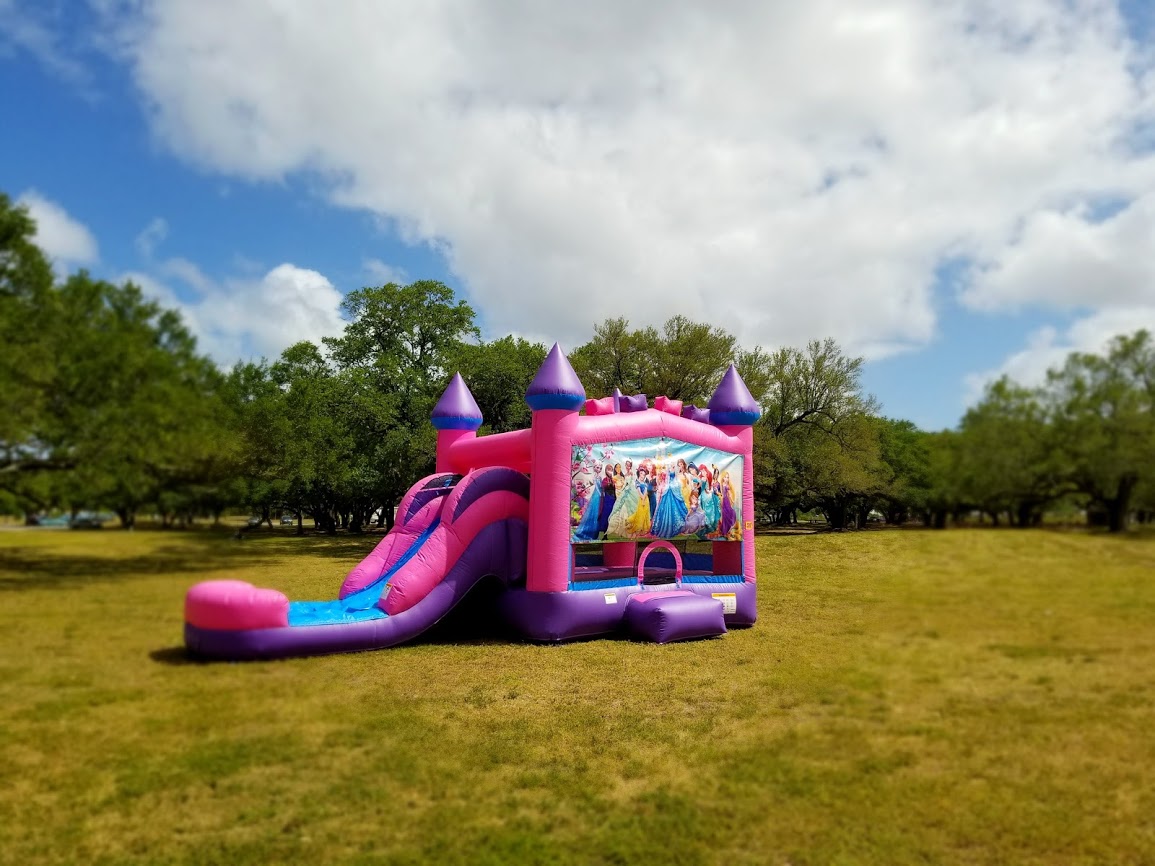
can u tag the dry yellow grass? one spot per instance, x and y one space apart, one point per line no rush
978 696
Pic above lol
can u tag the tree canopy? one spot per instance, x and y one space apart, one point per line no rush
106 402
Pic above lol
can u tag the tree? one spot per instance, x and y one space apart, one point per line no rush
905 451
1104 421
100 389
134 407
26 360
942 496
838 471
1008 462
818 386
683 361
498 374
395 356
115 397
812 444
319 453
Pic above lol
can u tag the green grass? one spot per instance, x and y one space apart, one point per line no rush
907 697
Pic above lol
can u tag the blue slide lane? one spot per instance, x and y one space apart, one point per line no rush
361 605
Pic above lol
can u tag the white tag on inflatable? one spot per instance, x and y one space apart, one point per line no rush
611 598
729 601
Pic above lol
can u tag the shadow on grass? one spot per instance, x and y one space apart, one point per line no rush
331 546
27 568
1137 532
175 656
788 531
23 569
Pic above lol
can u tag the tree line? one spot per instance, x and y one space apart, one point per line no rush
105 403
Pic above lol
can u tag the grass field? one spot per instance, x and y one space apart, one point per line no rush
907 697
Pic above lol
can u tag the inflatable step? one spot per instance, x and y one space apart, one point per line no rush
678 615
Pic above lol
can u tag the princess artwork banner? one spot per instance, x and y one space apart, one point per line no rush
654 488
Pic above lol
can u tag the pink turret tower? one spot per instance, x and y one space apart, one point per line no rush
456 416
555 395
734 412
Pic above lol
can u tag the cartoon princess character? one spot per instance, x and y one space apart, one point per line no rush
625 505
638 523
709 499
684 481
651 485
729 515
609 497
579 501
587 529
695 520
671 511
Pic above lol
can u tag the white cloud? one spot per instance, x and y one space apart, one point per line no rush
243 317
151 236
189 274
1070 259
64 239
789 170
381 273
1048 347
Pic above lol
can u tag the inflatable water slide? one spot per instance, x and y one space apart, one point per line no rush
556 514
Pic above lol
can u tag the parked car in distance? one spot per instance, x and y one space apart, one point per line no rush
288 519
55 520
255 520
87 520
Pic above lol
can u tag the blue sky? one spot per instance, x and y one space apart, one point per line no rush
953 194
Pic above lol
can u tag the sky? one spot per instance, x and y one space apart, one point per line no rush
953 190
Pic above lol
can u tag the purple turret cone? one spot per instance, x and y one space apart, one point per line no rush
556 385
618 399
456 410
732 404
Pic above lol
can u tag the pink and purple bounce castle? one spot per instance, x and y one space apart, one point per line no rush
627 518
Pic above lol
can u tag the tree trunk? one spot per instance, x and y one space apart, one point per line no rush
127 517
835 514
387 513
1119 508
939 519
1026 514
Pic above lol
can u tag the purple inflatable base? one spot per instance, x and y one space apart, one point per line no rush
666 617
559 616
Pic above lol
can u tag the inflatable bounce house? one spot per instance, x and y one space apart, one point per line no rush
624 518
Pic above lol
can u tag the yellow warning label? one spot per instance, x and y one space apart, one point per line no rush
729 601
749 524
